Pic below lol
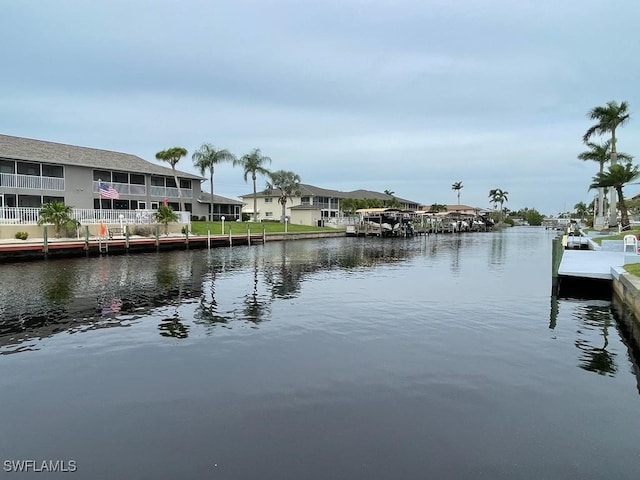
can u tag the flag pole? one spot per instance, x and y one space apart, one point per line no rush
100 203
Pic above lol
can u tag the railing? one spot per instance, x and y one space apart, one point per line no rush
32 182
86 216
123 188
170 192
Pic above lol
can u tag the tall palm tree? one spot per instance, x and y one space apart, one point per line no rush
498 195
206 158
253 163
608 119
288 186
172 156
617 177
457 186
601 153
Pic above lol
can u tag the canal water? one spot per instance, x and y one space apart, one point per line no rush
430 357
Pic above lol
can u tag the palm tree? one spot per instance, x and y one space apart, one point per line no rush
581 209
617 177
206 159
253 163
498 195
165 215
288 186
601 153
457 186
172 156
608 119
437 207
58 214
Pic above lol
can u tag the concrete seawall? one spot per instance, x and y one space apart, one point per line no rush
626 289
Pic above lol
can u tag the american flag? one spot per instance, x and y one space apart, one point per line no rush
107 191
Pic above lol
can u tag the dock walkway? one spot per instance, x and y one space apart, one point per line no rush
595 264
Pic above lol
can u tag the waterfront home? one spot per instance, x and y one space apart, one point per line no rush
35 172
314 205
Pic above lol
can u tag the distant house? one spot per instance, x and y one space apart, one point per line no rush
313 206
461 209
35 172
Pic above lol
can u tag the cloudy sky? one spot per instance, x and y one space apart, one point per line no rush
405 95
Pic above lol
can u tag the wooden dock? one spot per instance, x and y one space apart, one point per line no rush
17 250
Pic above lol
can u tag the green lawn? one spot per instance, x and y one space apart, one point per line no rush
618 236
633 268
201 228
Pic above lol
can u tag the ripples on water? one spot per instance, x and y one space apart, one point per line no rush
438 357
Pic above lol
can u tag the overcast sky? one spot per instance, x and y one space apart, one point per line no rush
405 95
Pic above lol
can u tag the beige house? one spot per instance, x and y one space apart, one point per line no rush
313 206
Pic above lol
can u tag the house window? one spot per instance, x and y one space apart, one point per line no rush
268 214
170 182
7 166
46 199
305 200
120 177
25 168
157 181
101 175
102 203
136 179
54 171
268 200
121 204
29 201
9 200
185 184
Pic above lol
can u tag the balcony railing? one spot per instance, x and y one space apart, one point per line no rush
31 182
123 188
86 216
170 192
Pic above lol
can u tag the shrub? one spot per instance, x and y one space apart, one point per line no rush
195 218
22 235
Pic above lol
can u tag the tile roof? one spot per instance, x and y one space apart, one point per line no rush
19 148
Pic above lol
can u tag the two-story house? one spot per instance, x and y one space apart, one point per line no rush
34 172
313 206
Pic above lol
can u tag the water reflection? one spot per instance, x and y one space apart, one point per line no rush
498 251
41 299
256 306
593 339
553 317
174 328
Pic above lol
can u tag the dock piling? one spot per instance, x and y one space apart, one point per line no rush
556 257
